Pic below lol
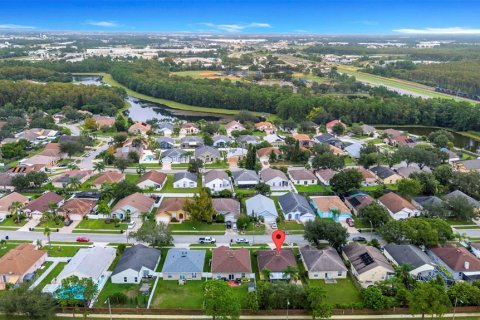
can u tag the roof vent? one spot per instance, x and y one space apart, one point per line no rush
467 265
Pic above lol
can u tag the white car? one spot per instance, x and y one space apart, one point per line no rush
274 225
234 226
206 240
131 225
242 241
2 219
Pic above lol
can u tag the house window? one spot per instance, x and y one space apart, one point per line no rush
136 279
169 276
194 275
339 273
124 279
305 182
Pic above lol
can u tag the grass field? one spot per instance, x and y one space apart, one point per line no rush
9 222
196 227
133 178
100 224
168 187
62 251
344 291
169 294
313 188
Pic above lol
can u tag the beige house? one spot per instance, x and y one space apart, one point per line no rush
140 128
367 264
171 209
108 177
386 175
6 202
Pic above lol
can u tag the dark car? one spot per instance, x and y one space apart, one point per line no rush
66 223
359 239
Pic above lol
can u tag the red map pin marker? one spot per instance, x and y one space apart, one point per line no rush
278 237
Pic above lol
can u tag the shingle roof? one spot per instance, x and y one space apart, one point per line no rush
324 137
226 205
269 259
136 257
360 200
317 260
457 258
137 200
173 153
221 137
89 262
302 174
171 204
269 174
184 260
458 193
207 149
226 260
166 139
19 260
187 175
408 254
382 172
364 258
292 201
78 206
262 152
259 204
109 177
7 201
153 175
215 174
428 201
245 175
328 203
41 204
395 203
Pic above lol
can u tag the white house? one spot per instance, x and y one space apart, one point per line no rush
217 180
185 180
302 176
137 263
398 207
421 264
276 179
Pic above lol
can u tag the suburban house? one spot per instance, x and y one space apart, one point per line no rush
42 203
236 154
353 149
263 154
369 178
152 179
132 205
104 121
325 175
233 126
6 181
40 160
230 264
425 202
124 151
229 208
303 139
37 135
398 207
406 170
165 129
90 263
189 128
302 177
368 130
137 262
330 207
296 207
276 179
266 127
108 177
65 179
185 180
191 142
459 194
422 266
175 156
217 180
323 263
183 264
356 200
171 209
329 125
19 264
276 262
245 140
452 156
367 264
76 209
274 139
140 128
245 178
456 263
6 202
166 143
386 175
261 206
468 165
207 154
220 141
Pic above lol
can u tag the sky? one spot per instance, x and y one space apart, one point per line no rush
245 16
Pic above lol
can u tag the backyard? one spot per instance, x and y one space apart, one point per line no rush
52 275
169 294
317 188
131 290
342 292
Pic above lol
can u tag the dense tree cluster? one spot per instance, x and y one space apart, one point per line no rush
32 73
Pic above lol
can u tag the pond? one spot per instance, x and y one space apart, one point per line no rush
460 141
141 110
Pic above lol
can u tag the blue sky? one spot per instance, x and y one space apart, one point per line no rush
246 16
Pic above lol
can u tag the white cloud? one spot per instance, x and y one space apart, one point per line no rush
448 31
235 27
107 24
15 26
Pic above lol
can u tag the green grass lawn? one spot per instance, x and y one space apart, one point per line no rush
168 187
129 289
62 251
42 270
252 230
133 178
217 165
344 291
100 224
9 222
7 247
317 188
54 273
49 224
169 294
196 227
244 191
291 226
455 222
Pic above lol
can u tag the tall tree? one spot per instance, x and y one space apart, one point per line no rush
155 234
346 180
327 230
200 208
317 300
220 302
429 298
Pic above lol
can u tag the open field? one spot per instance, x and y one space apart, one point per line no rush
403 85
205 74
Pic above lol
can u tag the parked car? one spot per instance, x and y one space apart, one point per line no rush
350 222
228 224
234 227
274 225
242 241
359 239
2 219
83 239
68 222
206 240
131 225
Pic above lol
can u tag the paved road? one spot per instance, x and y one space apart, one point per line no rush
87 162
74 128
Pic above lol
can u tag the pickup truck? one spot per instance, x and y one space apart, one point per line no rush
206 240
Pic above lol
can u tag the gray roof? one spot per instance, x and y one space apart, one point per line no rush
245 175
165 125
247 139
188 139
408 254
324 137
364 258
166 139
269 174
428 201
226 206
367 129
382 172
221 137
354 149
137 257
184 260
215 174
292 201
173 153
317 260
471 164
187 175
458 193
89 263
207 149
259 205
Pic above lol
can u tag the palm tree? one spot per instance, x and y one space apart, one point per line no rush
99 166
47 233
73 166
266 273
74 183
107 192
14 210
141 169
291 272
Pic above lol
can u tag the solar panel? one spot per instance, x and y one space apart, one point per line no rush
366 258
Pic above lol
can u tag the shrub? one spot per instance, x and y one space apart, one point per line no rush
118 298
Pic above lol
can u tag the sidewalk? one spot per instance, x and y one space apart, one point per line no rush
32 223
47 272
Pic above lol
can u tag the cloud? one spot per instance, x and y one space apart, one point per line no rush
106 24
447 31
235 27
15 26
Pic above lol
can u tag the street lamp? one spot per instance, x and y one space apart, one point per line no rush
455 307
371 228
109 307
288 303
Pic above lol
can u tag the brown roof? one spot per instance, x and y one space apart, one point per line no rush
326 174
269 174
265 124
155 176
20 259
332 123
188 125
226 260
395 203
109 177
225 205
269 259
302 174
78 206
137 200
267 151
366 174
171 205
301 136
41 204
103 121
327 203
457 258
364 258
232 124
141 126
7 201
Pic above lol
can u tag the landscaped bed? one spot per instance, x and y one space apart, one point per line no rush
131 290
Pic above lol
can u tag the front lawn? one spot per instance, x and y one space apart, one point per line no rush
63 251
217 165
133 178
342 292
9 222
168 187
51 224
291 226
100 224
169 294
131 290
253 230
455 222
316 188
192 226
52 275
